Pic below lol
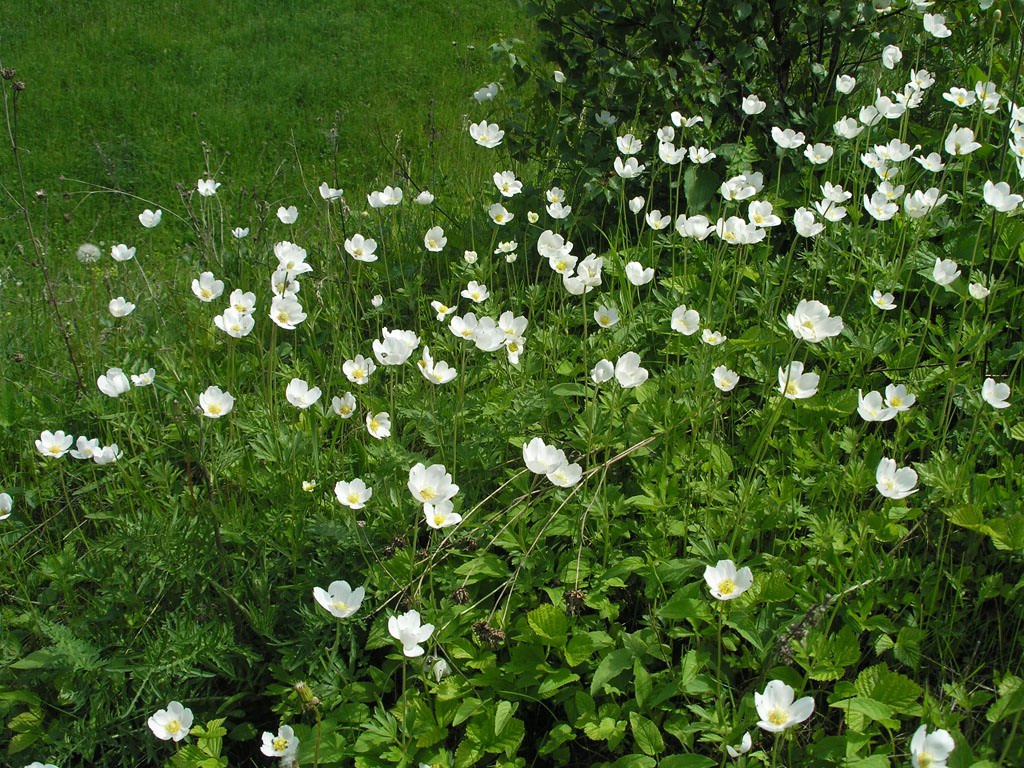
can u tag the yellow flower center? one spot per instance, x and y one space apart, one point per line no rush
206 293
428 494
214 409
353 498
778 716
344 410
925 760
280 743
338 605
726 587
791 388
282 317
54 449
173 727
439 519
374 425
358 373
896 402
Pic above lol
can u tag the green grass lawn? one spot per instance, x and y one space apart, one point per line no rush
129 95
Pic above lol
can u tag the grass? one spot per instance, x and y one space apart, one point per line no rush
138 97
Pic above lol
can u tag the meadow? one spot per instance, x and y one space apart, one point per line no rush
402 387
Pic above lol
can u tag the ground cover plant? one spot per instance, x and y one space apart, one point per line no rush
686 438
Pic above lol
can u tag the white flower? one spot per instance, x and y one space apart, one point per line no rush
499 215
476 292
945 271
788 138
558 76
847 128
286 312
628 144
895 483
845 83
376 300
207 187
53 445
299 394
408 630
287 215
628 372
352 494
725 379
120 307
243 302
932 162
882 300
207 287
810 321
1000 197
443 310
424 198
150 219
215 402
891 55
818 153
629 169
469 257
121 252
656 221
566 475
605 118
795 384
85 448
344 406
361 248
805 223
378 425
761 214
541 458
144 379
960 141
486 93
606 317
960 97
685 321
329 193
697 227
637 275
930 750
172 723
486 134
395 347
713 338
359 369
636 204
283 745
918 204
6 503
440 515
896 396
113 383
602 372
108 454
701 155
871 408
935 25
740 749
507 183
978 291
434 240
532 216
558 211
995 394
239 232
725 582
291 258
880 207
777 709
752 105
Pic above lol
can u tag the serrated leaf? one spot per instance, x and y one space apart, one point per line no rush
646 734
556 737
900 693
549 623
634 761
502 713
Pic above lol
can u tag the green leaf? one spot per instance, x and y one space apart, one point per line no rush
686 761
642 684
612 665
646 734
900 693
556 680
502 714
549 623
634 761
556 737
